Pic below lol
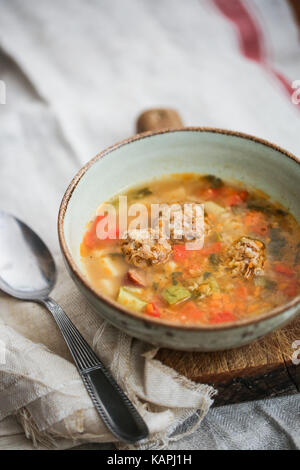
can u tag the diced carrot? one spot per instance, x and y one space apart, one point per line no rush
222 317
191 311
282 268
152 310
90 238
219 301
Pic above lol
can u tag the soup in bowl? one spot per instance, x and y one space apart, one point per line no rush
246 264
218 269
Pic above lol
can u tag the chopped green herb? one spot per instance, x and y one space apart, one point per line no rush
214 181
256 206
271 285
215 237
281 212
265 208
206 275
140 193
195 295
115 202
207 288
214 259
175 276
214 284
264 282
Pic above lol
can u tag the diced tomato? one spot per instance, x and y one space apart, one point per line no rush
111 235
152 310
213 248
180 253
237 198
90 239
222 317
292 289
191 311
282 268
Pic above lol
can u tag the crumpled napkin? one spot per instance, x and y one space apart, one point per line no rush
45 392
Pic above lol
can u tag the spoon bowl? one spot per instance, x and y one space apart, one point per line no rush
27 268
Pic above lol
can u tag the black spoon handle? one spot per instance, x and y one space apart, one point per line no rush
114 407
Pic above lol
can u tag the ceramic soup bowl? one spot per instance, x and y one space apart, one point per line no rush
229 155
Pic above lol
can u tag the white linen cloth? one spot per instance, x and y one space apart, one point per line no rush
77 73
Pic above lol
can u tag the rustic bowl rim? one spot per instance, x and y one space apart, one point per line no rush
113 304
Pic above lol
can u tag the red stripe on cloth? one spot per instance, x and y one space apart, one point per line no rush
250 36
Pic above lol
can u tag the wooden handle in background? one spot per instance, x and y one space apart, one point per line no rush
157 119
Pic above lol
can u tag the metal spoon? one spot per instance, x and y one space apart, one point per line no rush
27 272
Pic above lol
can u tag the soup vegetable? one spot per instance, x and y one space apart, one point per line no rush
248 265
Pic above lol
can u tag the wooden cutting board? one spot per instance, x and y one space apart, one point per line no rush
262 369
